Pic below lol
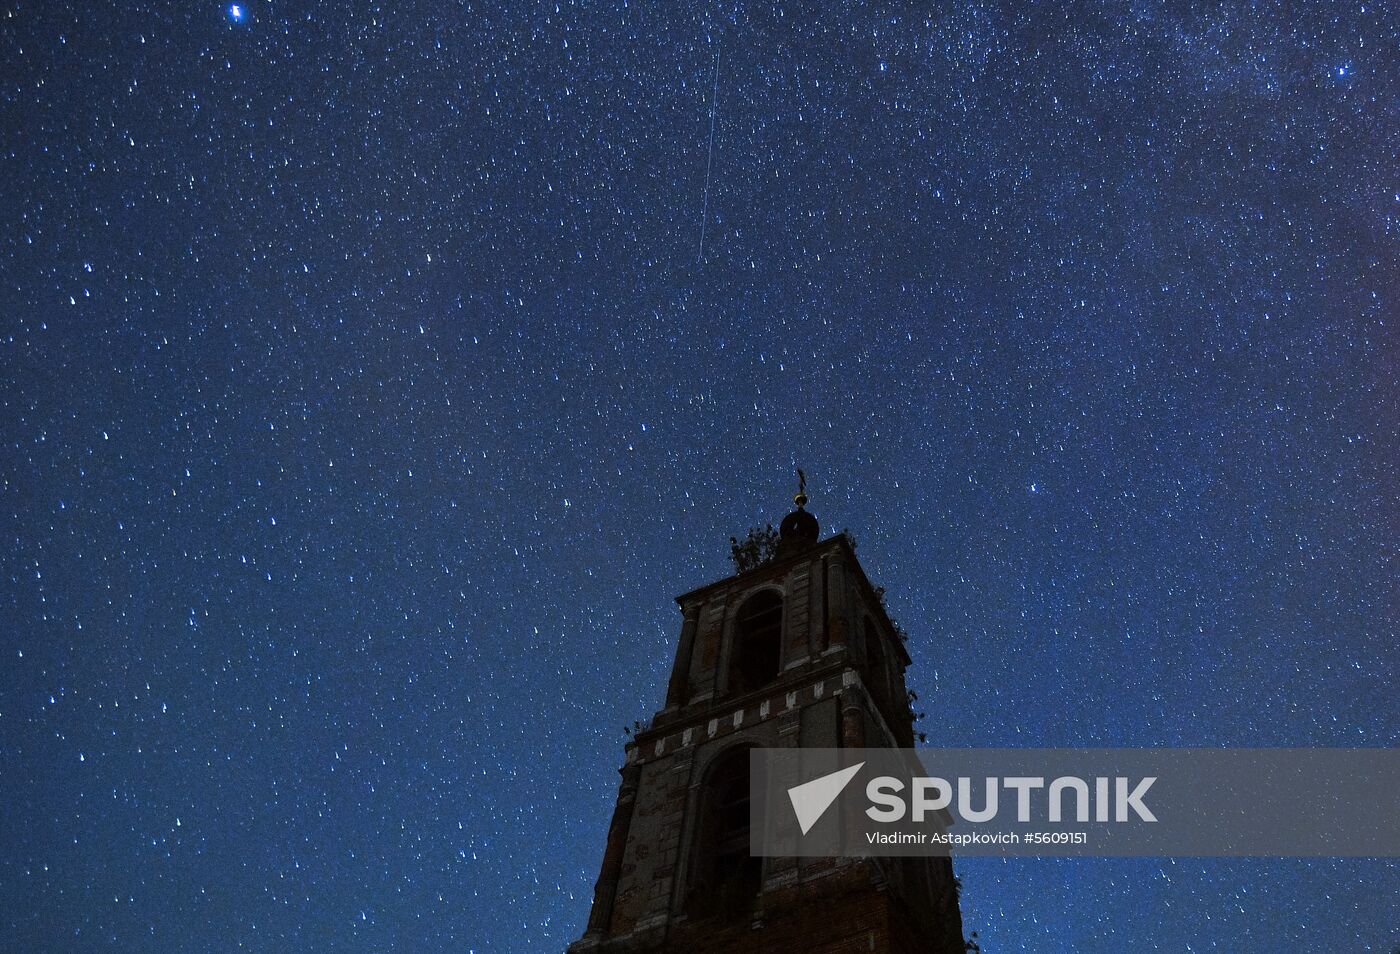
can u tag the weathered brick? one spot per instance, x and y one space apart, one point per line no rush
805 906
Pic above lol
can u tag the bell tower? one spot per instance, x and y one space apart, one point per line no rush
796 651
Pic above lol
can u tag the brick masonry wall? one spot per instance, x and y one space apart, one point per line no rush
820 699
844 912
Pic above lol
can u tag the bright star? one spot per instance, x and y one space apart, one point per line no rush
235 12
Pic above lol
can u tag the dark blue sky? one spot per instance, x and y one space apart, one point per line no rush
365 402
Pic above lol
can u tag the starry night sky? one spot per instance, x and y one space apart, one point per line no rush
365 400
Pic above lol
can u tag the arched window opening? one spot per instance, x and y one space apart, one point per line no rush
757 649
725 880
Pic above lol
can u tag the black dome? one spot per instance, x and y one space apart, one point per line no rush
799 527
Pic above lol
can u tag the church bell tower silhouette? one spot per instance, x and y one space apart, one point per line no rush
795 650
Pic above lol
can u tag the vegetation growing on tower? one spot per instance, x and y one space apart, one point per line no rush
758 547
